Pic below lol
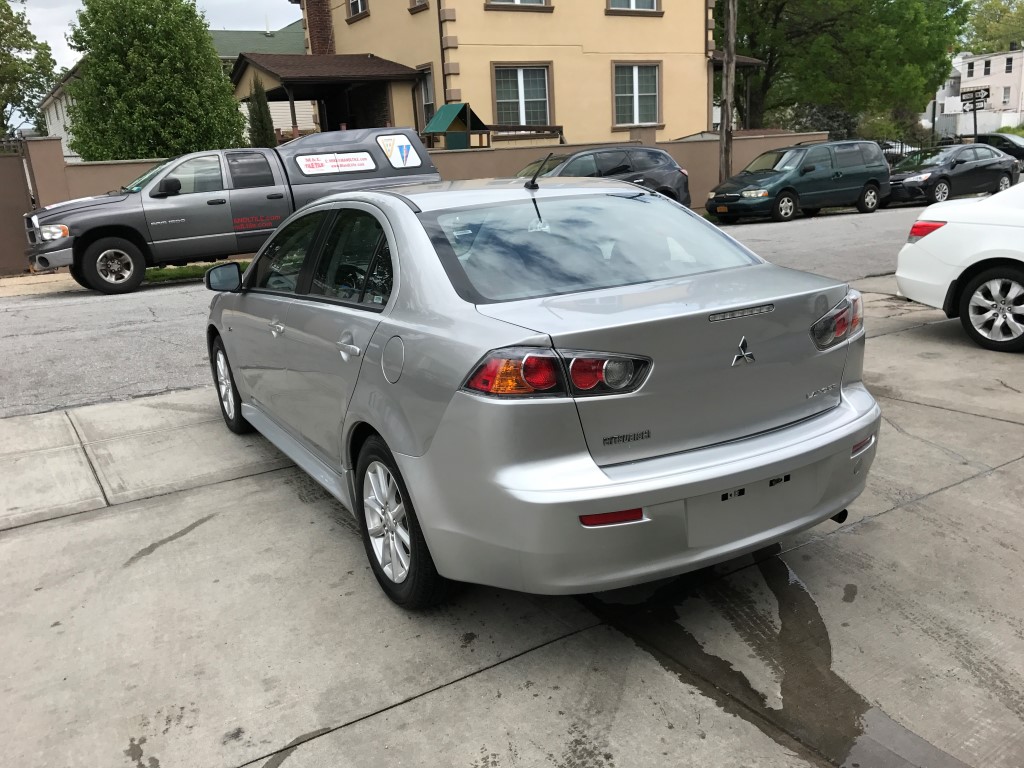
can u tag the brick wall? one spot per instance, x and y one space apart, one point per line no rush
319 26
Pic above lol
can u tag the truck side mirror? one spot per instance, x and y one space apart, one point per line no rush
168 186
224 277
808 169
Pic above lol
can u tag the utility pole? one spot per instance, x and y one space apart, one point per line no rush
728 92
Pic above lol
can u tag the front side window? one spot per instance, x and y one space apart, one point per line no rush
200 174
350 268
820 158
582 166
521 96
280 263
636 94
514 250
249 170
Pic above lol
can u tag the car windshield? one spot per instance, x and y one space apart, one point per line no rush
544 247
925 158
549 165
776 160
143 180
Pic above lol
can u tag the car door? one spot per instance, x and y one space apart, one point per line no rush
990 168
196 221
332 326
259 198
257 323
815 184
851 173
966 173
648 168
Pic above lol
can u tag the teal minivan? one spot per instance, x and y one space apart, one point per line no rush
804 178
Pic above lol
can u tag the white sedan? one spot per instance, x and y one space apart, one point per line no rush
966 257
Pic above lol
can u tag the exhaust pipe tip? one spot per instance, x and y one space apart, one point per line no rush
841 517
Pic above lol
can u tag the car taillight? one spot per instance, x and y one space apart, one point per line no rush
923 228
538 372
841 323
684 172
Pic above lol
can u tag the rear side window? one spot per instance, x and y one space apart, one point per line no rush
612 163
249 169
985 153
849 156
505 252
646 159
280 264
872 154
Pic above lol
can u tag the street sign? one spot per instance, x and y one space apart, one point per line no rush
975 94
974 106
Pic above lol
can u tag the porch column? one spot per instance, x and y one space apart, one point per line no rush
291 106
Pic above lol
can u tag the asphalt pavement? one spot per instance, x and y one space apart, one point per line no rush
63 346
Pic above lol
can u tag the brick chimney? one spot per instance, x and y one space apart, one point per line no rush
319 26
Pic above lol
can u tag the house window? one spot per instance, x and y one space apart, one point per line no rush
633 5
970 69
427 92
517 2
1006 94
415 6
356 7
988 66
942 109
521 96
636 94
1009 65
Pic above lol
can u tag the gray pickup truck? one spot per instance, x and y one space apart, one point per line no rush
209 205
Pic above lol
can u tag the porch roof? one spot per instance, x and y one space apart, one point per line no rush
284 71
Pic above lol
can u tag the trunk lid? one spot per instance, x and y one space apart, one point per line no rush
701 389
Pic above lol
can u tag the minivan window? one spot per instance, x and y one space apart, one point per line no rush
819 157
848 156
495 253
776 160
279 265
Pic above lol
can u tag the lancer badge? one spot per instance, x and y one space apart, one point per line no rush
745 354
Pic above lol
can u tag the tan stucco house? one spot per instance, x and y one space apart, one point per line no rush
595 68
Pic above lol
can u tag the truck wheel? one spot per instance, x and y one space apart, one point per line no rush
113 265
76 274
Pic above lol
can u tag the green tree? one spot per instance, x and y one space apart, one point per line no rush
994 25
823 57
26 70
151 83
261 124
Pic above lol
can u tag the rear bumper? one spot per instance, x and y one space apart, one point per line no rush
923 278
517 526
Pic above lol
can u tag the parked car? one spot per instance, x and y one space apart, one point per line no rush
208 205
935 175
783 182
966 257
1010 143
490 378
651 168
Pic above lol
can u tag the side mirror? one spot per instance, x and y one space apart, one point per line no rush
224 277
808 169
168 186
958 161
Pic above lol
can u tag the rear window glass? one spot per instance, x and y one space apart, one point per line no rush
566 245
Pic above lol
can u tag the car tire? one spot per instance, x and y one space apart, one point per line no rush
76 274
113 265
227 392
869 199
810 213
786 206
725 218
1005 182
988 302
413 582
941 192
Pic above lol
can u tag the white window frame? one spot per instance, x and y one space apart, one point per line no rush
988 67
970 69
356 7
632 6
1006 94
522 91
427 89
637 94
1009 65
517 2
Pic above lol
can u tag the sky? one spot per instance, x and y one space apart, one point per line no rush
50 19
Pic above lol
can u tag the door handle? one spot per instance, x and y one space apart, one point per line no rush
638 181
218 201
276 329
347 350
837 175
275 196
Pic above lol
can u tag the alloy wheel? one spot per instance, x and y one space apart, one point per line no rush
941 193
386 522
114 266
787 207
224 385
1004 183
997 310
871 199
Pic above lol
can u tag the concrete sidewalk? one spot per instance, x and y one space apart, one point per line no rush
178 596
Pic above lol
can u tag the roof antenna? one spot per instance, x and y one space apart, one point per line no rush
532 183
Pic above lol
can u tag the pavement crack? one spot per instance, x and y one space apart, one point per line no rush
88 459
1012 389
149 550
948 451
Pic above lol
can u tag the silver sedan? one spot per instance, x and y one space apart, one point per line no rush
565 389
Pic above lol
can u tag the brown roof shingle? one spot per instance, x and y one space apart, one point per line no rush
343 66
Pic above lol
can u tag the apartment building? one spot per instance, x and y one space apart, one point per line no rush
1002 73
597 69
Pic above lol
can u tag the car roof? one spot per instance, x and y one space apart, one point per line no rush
446 195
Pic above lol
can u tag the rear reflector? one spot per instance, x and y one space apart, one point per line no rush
863 445
923 228
612 518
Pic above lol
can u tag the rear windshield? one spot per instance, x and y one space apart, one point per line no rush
522 250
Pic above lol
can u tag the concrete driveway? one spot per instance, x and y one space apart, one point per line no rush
177 596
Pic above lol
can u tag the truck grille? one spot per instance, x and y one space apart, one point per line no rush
729 198
31 230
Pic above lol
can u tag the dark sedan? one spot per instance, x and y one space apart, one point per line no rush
935 175
654 169
1009 143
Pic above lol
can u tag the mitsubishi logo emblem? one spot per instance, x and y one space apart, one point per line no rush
745 355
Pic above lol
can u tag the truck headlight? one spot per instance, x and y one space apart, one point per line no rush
755 193
53 231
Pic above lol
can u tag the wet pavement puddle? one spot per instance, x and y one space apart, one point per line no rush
755 641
